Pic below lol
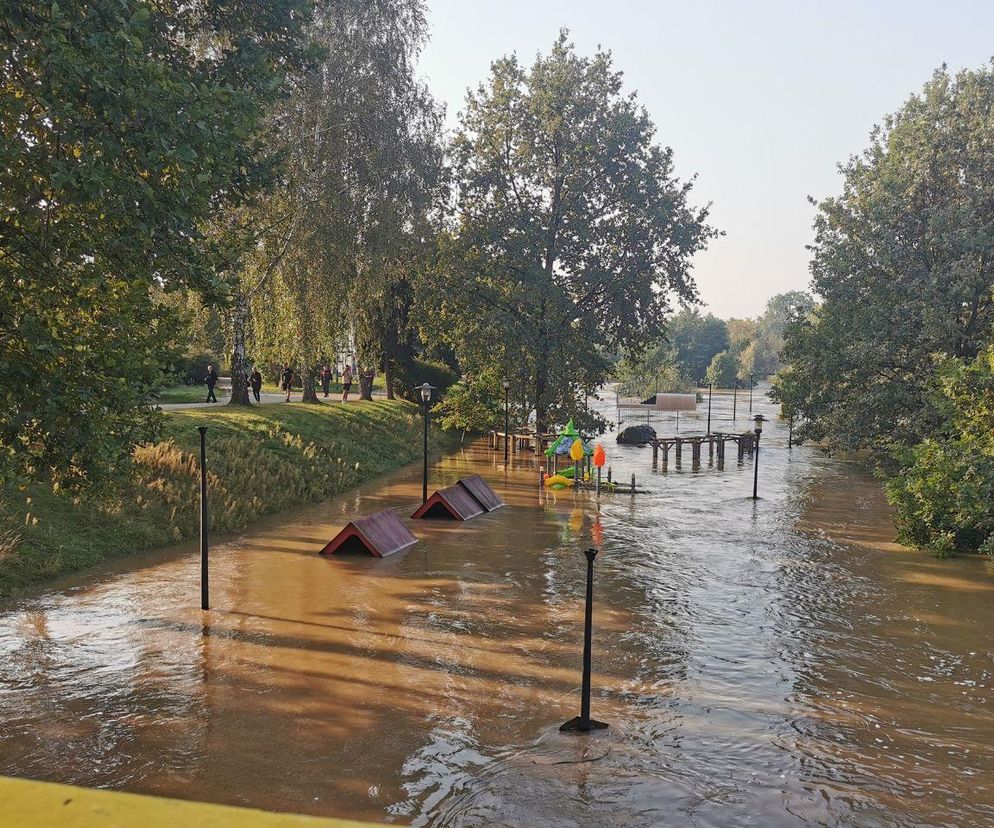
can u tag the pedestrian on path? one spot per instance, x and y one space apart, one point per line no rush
286 380
326 380
255 380
346 382
211 381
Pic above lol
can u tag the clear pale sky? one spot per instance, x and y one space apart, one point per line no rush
761 99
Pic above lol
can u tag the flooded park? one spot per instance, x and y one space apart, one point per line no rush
771 662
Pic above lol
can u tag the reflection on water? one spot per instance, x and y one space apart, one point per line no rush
760 663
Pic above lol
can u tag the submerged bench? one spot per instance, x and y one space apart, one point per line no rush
470 497
379 534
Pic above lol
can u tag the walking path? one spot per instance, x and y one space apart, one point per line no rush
224 395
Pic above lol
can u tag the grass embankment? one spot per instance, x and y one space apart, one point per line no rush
261 460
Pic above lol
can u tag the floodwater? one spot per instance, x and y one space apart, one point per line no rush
771 662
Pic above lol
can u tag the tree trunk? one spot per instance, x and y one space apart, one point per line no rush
366 384
239 366
309 378
388 376
541 410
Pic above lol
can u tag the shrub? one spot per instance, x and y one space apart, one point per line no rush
408 374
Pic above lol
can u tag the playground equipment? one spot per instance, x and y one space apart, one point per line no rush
380 534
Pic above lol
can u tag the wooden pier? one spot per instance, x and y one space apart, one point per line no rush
521 440
716 442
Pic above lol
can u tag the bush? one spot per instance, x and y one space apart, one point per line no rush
407 375
944 487
191 370
470 407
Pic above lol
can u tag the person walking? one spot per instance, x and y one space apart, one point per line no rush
326 380
286 379
211 380
346 382
255 380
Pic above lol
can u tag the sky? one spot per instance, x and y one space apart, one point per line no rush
761 99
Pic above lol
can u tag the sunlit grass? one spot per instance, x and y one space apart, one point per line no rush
261 460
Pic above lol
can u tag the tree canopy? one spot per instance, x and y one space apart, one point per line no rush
903 263
571 230
124 126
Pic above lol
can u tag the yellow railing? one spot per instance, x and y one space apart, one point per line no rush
28 804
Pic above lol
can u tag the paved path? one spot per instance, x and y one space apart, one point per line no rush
224 394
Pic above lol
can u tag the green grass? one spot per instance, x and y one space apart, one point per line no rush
185 394
261 460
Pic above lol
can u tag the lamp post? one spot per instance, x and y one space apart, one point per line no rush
205 592
425 389
507 420
751 383
710 391
758 430
735 397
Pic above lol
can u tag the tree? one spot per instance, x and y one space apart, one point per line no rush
652 370
124 126
571 231
696 339
361 198
904 264
944 489
722 370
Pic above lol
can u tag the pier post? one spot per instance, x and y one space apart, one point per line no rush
695 449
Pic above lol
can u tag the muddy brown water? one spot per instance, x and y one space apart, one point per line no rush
779 662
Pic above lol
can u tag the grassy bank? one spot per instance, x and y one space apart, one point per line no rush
261 460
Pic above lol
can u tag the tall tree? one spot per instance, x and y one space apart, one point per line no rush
904 263
571 231
124 125
696 340
362 193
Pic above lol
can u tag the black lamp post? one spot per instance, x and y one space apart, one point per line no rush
758 430
425 390
205 592
735 397
507 419
751 383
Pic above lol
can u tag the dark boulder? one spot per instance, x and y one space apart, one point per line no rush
637 435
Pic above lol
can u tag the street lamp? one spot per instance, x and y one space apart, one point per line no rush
710 390
751 383
735 397
425 389
506 384
758 430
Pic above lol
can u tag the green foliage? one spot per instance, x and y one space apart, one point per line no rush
696 339
473 406
723 370
191 370
416 371
261 460
572 231
643 374
358 206
944 488
904 263
124 126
